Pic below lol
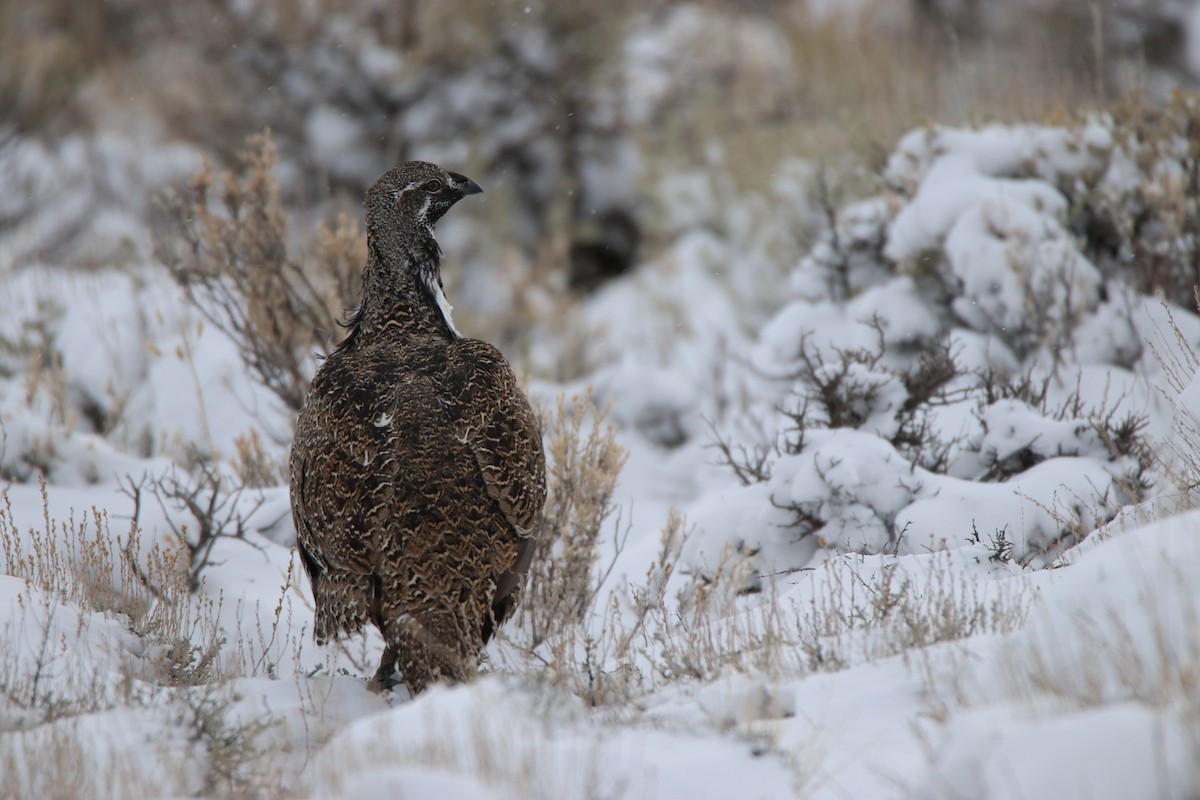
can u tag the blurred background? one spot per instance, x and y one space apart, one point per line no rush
600 131
567 112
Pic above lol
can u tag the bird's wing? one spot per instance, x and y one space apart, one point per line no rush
499 426
345 477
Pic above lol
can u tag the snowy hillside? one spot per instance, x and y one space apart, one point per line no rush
946 556
891 496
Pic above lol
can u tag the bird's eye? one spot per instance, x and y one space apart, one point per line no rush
433 186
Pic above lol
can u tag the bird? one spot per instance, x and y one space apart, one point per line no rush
417 471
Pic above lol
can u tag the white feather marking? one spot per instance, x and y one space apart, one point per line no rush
443 305
384 420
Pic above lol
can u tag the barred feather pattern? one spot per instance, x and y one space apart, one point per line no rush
417 470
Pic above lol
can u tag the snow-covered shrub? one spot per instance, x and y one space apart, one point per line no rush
101 221
861 441
663 347
749 61
853 389
968 332
1139 220
844 488
1018 429
125 371
984 225
1027 224
522 94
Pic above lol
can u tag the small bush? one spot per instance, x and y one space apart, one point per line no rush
583 465
227 249
206 497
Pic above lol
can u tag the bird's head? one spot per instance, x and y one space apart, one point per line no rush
413 197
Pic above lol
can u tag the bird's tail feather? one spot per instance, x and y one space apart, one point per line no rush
342 600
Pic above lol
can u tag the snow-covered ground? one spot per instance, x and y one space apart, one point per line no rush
936 475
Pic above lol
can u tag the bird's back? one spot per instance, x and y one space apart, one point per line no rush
395 509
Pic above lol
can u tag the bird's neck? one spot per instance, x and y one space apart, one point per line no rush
402 294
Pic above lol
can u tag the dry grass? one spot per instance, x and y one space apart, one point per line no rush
60 761
1114 667
730 619
1180 457
254 467
583 465
175 681
183 745
601 659
856 87
82 562
608 649
1146 653
860 611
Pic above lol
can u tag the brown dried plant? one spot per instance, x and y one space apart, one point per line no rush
208 497
584 462
340 254
226 248
80 560
254 466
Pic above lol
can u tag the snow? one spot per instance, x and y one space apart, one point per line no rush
1107 637
1014 763
1031 508
997 609
528 744
335 140
662 62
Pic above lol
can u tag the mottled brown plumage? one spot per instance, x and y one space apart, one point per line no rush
417 472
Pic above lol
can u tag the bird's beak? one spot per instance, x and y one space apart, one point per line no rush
471 188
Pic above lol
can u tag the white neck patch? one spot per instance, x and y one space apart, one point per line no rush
439 296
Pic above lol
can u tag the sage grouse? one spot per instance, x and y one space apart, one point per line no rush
417 472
